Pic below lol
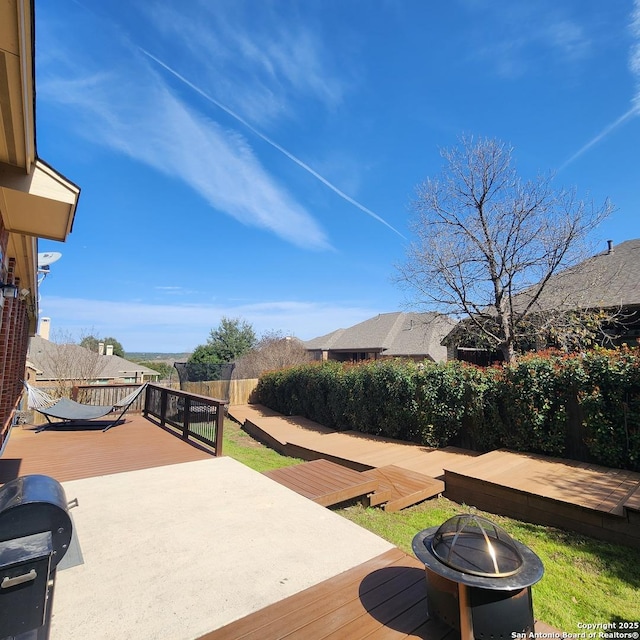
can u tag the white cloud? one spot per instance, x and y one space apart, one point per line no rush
258 72
520 35
175 328
135 114
273 143
569 38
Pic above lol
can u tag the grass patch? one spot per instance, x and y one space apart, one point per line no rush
240 446
585 580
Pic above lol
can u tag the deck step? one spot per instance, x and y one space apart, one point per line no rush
324 482
400 488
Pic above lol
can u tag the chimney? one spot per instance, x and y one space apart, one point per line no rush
609 246
45 328
100 348
109 349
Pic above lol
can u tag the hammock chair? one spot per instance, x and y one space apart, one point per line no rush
70 411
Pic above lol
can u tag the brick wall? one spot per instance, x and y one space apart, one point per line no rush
14 338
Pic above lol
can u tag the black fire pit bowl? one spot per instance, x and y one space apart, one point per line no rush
478 577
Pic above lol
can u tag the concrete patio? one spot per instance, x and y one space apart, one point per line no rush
181 550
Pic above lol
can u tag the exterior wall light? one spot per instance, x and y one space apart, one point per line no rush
9 290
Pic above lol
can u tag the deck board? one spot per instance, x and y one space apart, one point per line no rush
324 482
72 454
591 499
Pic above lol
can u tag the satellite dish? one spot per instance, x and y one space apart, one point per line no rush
44 262
48 258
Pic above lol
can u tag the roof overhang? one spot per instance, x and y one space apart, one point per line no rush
17 116
35 200
41 203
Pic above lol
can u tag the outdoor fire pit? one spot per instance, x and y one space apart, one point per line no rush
478 577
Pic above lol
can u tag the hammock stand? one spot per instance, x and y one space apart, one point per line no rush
70 411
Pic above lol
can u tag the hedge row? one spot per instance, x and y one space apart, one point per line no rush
584 407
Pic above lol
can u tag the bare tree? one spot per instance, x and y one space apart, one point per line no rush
488 243
273 351
69 363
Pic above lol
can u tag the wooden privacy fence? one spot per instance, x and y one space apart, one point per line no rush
107 395
240 391
196 417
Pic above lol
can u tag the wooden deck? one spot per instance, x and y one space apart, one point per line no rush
597 501
298 437
324 482
587 498
384 598
72 454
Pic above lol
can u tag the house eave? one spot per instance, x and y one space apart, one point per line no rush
17 85
41 203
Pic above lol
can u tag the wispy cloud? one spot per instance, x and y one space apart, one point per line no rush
135 114
175 328
517 35
275 145
634 67
260 72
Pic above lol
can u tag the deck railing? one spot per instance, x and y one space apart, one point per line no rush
194 416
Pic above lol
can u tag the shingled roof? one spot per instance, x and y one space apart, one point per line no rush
390 334
610 279
42 357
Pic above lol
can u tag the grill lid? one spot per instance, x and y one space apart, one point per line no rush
474 545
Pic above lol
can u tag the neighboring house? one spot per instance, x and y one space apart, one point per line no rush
35 202
389 335
608 281
48 362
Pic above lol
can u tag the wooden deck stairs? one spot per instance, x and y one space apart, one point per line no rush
324 482
400 488
346 465
328 484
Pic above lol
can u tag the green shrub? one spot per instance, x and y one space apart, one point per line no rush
609 395
532 405
543 403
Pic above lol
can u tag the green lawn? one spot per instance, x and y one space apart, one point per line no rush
585 580
241 446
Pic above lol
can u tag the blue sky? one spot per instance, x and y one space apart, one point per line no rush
257 159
